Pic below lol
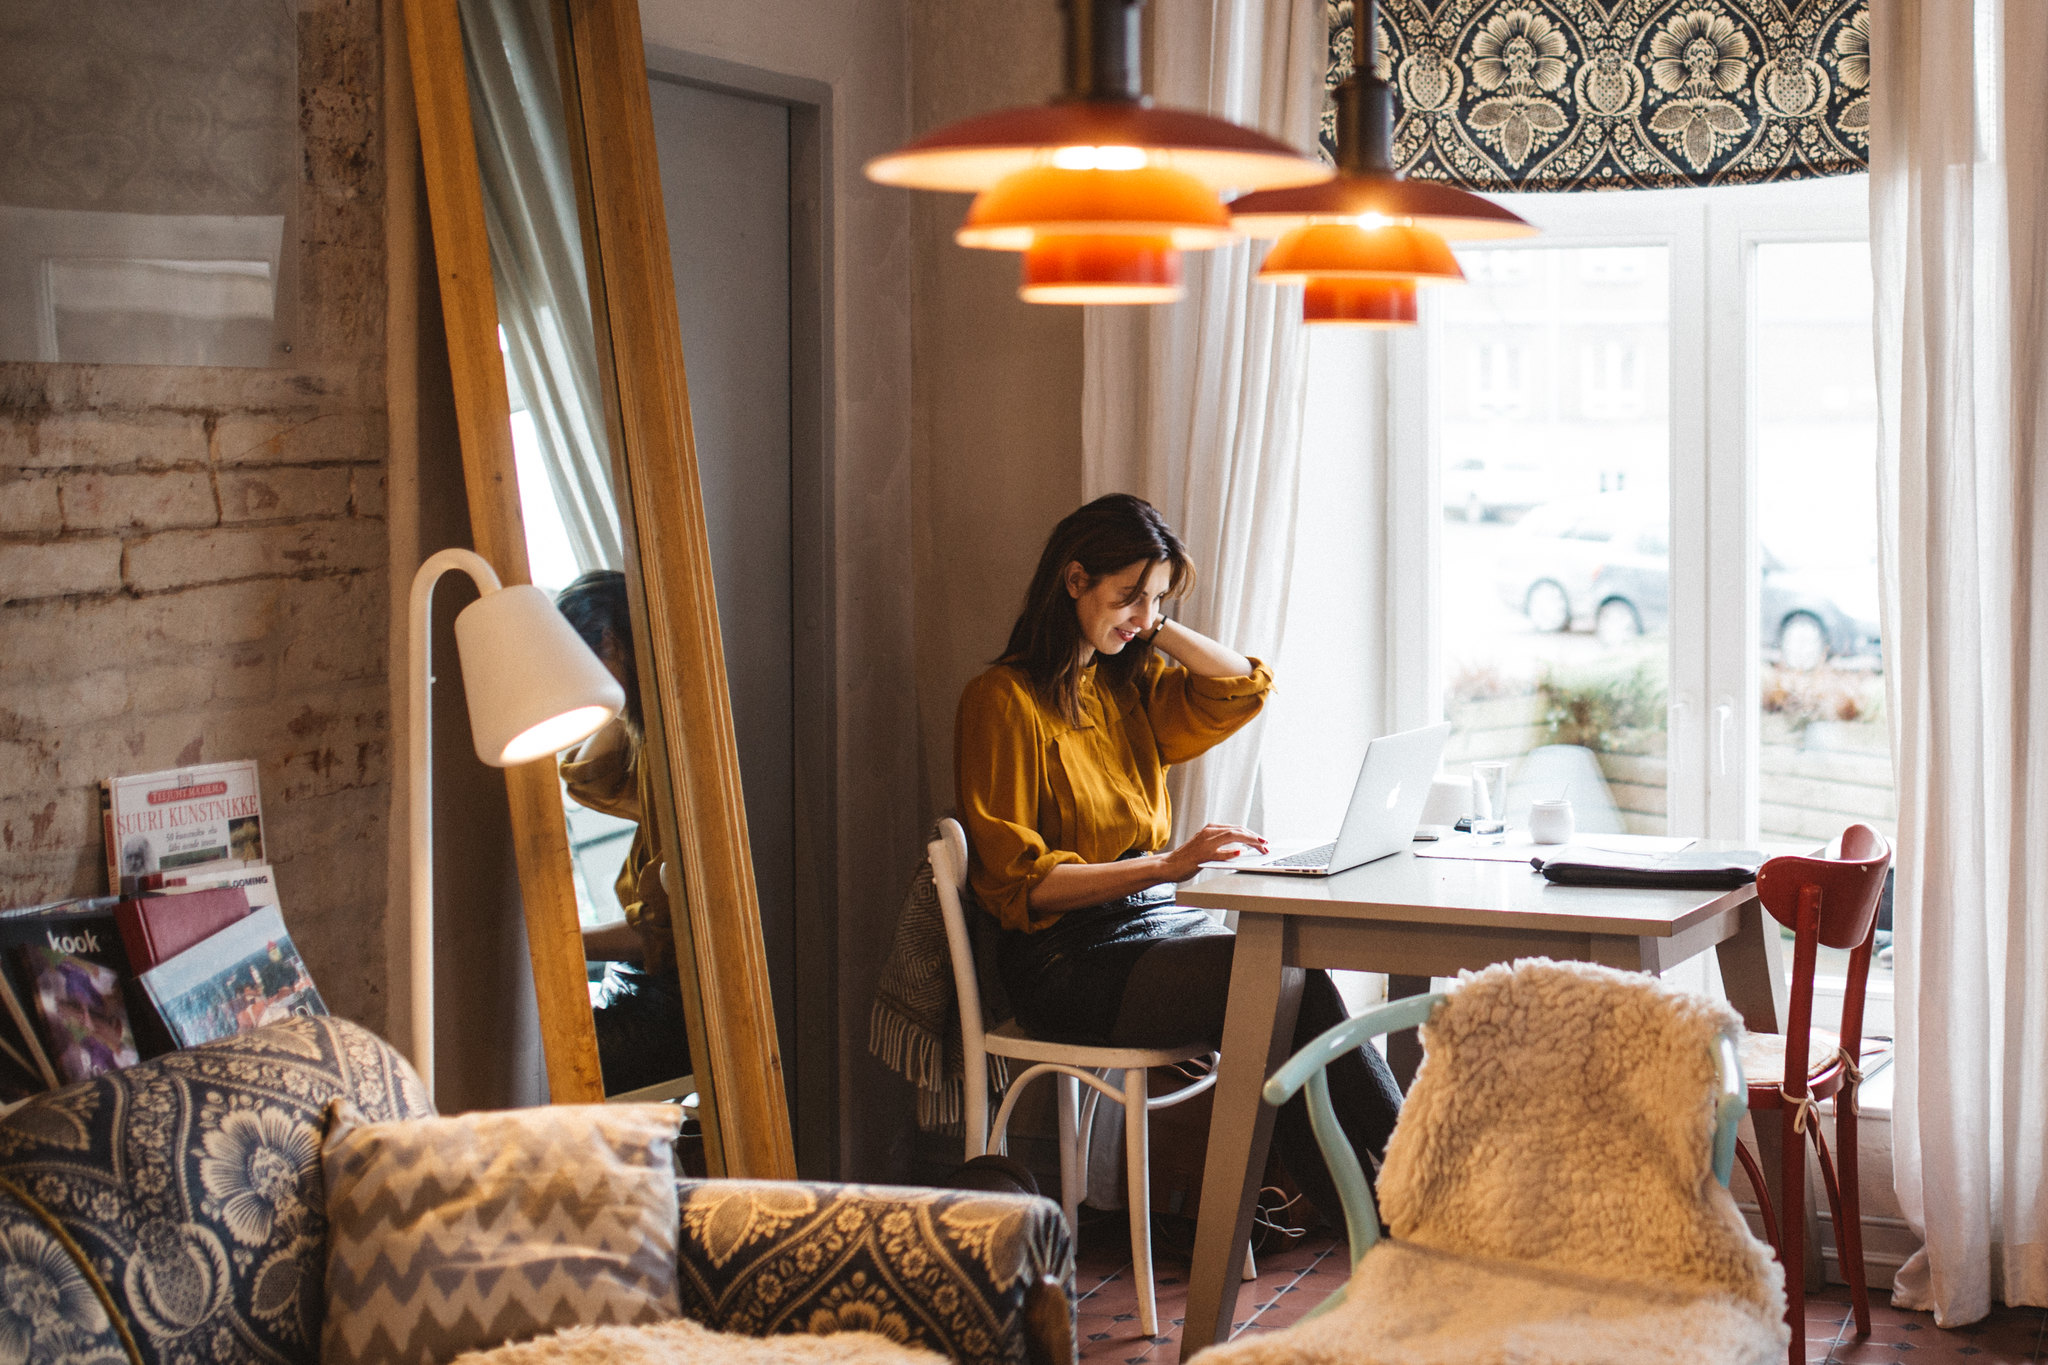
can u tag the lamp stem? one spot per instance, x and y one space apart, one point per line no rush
1103 48
422 803
1365 103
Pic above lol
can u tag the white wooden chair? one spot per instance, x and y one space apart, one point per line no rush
1074 1065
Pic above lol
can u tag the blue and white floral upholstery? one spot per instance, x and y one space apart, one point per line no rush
173 1214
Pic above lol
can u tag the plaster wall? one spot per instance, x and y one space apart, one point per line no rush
996 382
193 560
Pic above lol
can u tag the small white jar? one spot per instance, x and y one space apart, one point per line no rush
1550 822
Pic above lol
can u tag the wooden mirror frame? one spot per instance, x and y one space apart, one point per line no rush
683 680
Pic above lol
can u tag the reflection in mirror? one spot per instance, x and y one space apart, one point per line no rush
575 548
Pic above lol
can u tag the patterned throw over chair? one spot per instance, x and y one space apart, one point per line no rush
176 1212
1556 1186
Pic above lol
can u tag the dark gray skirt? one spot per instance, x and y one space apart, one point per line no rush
1066 981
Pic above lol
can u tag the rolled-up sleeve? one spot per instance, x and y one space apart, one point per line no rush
1191 715
998 754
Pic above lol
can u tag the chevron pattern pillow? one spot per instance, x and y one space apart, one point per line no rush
452 1234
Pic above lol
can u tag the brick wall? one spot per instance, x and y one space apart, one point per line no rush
193 564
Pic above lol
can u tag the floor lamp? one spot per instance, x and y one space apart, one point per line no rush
534 688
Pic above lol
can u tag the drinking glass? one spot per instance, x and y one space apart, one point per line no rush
1490 802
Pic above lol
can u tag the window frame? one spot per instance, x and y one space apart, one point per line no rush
1714 689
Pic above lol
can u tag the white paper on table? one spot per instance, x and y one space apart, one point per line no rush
1520 848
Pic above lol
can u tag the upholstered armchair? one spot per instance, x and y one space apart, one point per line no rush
174 1212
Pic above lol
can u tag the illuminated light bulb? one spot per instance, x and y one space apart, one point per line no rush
1100 158
1101 268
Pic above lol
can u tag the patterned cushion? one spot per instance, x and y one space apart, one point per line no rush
985 1279
191 1185
447 1235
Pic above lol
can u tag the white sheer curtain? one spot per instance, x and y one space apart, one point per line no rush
1959 238
1197 406
537 263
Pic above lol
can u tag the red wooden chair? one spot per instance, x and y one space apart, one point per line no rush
1830 901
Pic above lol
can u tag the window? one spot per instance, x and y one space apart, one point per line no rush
1657 583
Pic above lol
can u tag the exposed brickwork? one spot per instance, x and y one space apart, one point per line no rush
192 564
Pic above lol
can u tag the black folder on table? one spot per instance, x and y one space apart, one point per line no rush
1682 871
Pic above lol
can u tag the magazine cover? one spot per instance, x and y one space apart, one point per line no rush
186 819
247 975
85 927
85 1023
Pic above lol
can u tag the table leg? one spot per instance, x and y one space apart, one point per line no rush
1752 970
1258 1027
1404 1049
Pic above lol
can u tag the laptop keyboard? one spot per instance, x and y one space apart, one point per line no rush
1312 857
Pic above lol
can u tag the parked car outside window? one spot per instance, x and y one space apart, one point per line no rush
1603 564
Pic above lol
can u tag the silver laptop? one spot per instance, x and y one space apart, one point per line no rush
1386 806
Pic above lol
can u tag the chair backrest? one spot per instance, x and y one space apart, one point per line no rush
948 853
1849 887
1830 901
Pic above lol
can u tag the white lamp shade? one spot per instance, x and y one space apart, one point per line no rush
534 687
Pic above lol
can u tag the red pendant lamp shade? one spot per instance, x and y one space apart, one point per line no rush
1100 190
1361 243
1329 299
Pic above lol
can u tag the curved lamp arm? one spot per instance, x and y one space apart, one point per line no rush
533 687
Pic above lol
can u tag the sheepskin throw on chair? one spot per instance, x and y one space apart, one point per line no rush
1619 94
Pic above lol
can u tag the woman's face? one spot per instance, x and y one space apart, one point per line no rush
1117 607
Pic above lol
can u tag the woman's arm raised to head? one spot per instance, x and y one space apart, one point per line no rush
1200 655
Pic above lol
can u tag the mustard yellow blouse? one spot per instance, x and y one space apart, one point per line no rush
606 775
1035 791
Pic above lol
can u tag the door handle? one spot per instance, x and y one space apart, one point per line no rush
1724 721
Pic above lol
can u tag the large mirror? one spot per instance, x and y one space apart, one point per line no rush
643 911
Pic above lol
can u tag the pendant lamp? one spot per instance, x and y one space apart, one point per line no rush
1100 190
1362 242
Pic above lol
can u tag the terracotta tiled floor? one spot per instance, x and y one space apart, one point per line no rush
1293 1282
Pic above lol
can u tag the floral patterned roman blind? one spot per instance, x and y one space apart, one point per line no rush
1620 94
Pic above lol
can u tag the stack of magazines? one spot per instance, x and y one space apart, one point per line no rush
190 947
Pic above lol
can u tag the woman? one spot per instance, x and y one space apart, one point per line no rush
1061 751
641 1037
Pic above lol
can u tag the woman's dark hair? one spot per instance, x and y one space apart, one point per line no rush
596 606
1106 537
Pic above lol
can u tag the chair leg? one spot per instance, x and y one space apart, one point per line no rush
1251 1268
977 1105
1090 1098
1763 1197
1138 1167
1849 1223
1837 1208
1792 1227
1073 1176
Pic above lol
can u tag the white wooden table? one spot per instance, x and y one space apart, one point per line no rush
1419 918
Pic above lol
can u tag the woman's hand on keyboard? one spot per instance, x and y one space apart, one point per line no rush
1212 843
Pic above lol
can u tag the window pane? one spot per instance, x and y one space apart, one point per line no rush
1826 754
1552 420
